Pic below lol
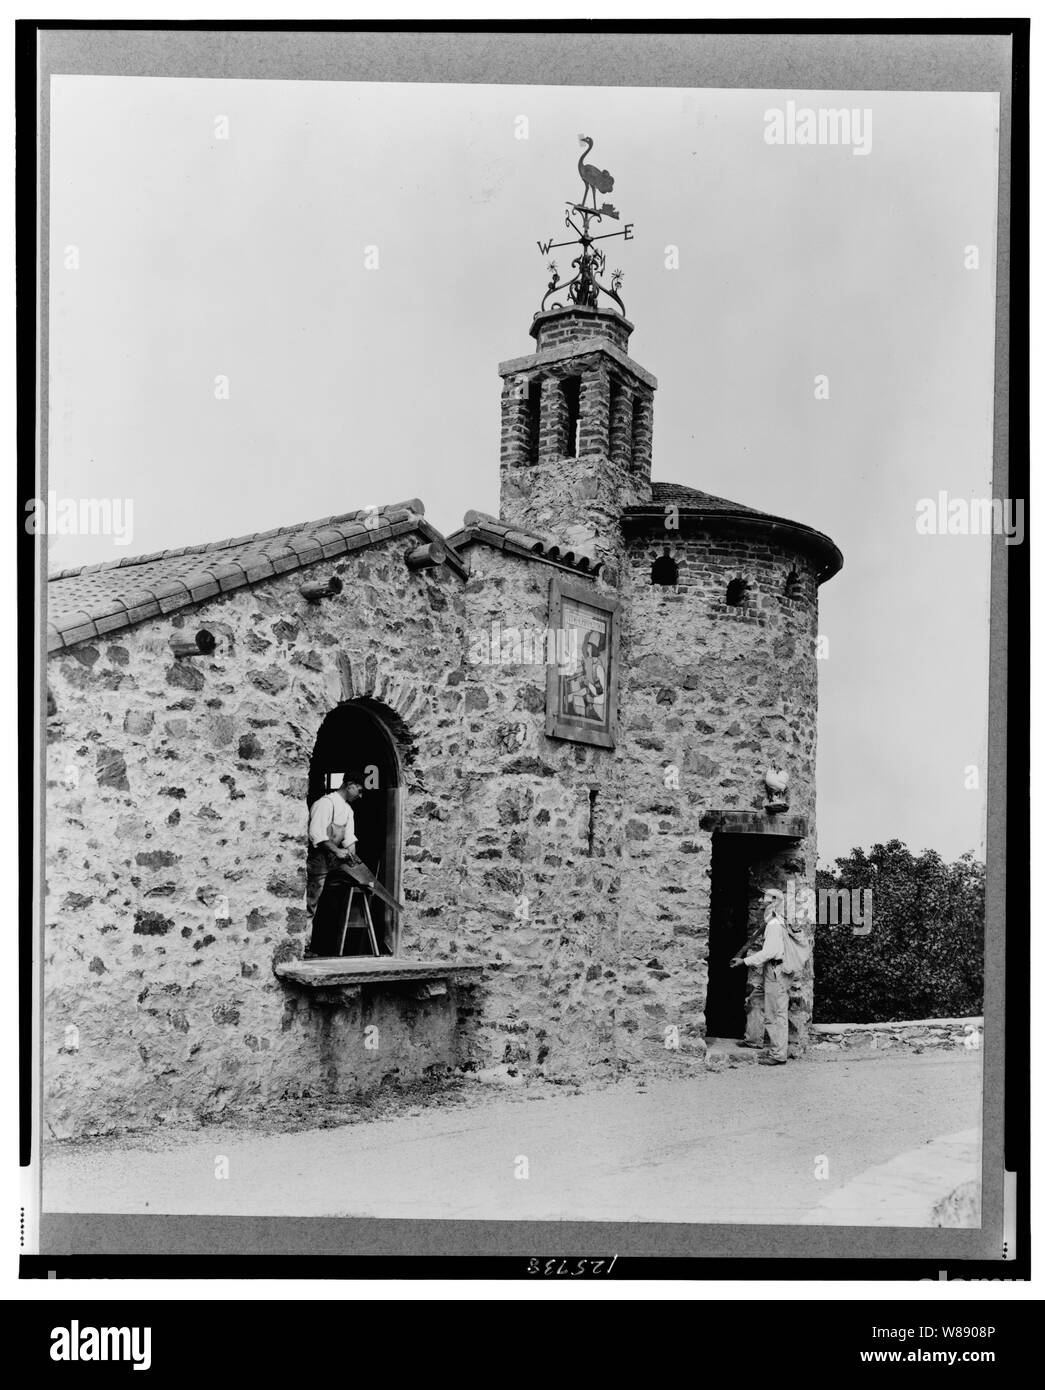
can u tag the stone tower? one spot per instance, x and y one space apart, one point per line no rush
576 429
577 414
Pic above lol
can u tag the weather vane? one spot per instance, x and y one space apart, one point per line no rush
584 289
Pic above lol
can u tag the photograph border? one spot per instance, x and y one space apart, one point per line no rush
795 55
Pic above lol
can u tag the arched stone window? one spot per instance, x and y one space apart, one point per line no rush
364 738
736 592
665 570
533 420
571 394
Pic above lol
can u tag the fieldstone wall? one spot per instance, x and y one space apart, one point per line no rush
539 854
915 1035
712 694
175 838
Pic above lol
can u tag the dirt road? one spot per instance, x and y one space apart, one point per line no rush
747 1144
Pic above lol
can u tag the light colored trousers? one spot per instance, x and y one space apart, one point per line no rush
767 993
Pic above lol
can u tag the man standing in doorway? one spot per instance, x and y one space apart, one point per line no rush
331 840
775 985
755 1000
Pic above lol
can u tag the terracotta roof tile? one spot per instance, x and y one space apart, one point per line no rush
258 567
78 633
166 588
203 588
112 623
302 544
149 609
284 560
65 621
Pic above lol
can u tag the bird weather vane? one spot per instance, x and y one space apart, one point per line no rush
584 289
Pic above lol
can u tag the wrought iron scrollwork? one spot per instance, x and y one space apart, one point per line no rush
585 287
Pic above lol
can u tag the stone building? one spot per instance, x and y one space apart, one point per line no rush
574 876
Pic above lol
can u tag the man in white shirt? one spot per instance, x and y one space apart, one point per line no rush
331 840
755 999
776 986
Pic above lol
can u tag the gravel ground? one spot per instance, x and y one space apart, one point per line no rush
740 1144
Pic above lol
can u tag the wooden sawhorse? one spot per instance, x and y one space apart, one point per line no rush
364 896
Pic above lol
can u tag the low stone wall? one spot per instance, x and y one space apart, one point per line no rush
386 1035
914 1035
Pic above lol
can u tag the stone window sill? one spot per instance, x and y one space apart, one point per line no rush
343 977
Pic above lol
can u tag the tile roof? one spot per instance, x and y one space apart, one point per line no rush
692 501
692 497
480 527
96 600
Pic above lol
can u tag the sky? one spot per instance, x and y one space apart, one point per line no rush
204 229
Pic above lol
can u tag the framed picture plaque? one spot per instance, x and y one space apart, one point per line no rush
581 699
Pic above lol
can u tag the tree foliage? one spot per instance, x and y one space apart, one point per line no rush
923 957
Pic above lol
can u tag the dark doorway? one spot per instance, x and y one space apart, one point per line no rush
731 859
355 738
742 867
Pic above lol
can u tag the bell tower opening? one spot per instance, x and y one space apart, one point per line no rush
532 422
571 397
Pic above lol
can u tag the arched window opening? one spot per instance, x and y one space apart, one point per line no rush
736 592
571 391
792 585
533 420
665 570
637 421
355 740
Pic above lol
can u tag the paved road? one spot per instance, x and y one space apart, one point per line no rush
745 1144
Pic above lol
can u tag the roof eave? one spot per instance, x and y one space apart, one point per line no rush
805 538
